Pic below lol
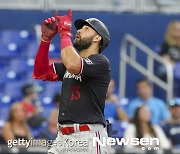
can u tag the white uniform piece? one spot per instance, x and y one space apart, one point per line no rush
80 142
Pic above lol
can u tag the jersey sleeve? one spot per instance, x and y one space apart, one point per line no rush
59 69
94 66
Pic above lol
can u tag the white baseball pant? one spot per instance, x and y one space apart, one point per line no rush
81 142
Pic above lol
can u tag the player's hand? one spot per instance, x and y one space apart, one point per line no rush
65 24
49 28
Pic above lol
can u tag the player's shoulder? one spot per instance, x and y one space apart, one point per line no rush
105 58
98 57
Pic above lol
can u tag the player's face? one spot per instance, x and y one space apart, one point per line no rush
84 38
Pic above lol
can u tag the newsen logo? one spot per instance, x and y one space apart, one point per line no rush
132 141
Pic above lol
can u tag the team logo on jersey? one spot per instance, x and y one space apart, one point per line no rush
69 75
88 61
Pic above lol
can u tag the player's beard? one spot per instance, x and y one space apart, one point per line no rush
82 44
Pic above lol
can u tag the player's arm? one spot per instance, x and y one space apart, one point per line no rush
42 69
71 60
70 57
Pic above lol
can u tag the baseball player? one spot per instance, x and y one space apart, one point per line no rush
85 76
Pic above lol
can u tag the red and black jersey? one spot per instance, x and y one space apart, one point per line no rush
83 96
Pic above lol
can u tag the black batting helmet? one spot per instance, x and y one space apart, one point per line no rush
98 26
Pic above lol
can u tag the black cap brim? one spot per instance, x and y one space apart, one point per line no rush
79 23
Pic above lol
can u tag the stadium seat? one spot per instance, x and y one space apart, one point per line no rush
13 90
118 128
8 76
51 88
3 63
10 50
5 100
21 65
3 76
29 77
17 36
54 50
31 49
4 111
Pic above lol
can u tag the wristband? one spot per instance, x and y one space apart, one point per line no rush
65 41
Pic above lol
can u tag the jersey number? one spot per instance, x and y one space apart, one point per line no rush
75 93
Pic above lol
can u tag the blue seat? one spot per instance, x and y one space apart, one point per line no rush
54 50
20 65
119 127
10 50
13 90
10 76
31 49
51 88
14 42
29 77
17 36
4 111
5 100
3 63
46 101
3 76
47 110
13 76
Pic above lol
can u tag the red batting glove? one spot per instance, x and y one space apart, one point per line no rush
64 27
49 29
65 24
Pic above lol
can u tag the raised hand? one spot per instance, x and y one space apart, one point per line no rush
49 28
65 23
